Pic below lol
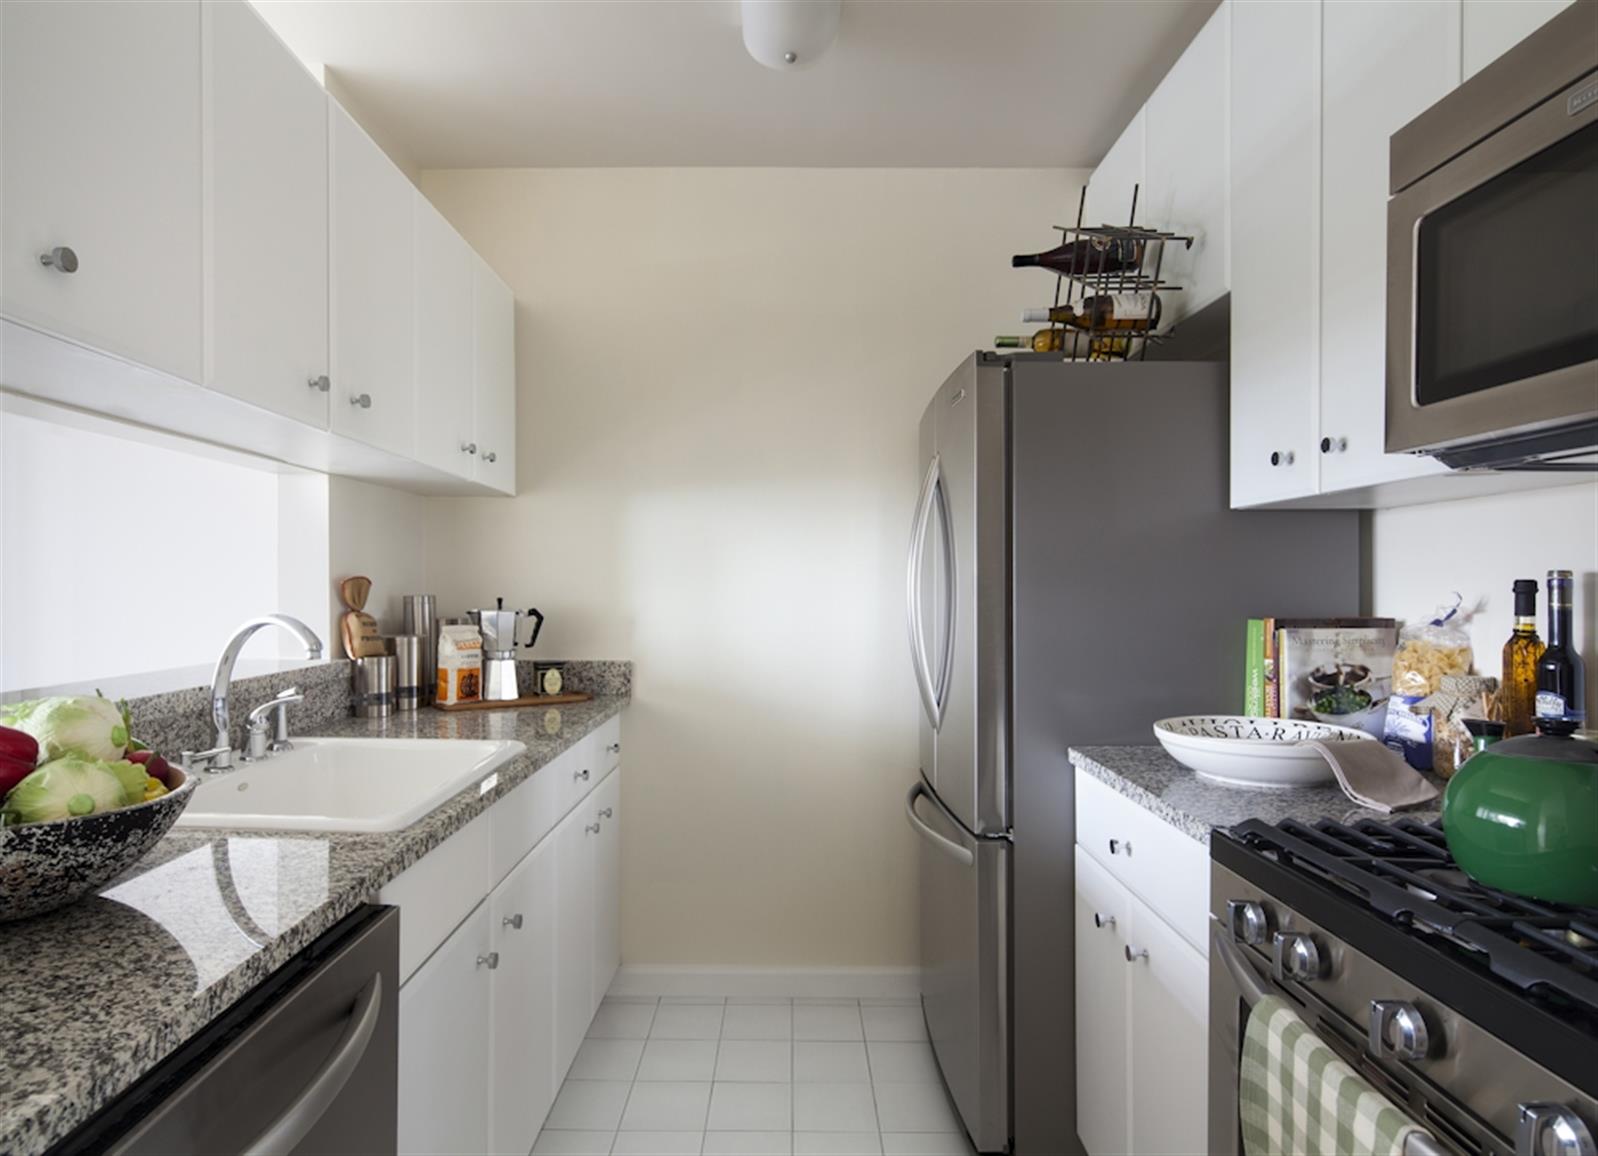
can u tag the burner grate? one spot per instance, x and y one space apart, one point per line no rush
1403 870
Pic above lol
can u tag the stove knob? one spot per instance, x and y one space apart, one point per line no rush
1398 1031
1551 1130
1248 921
1297 957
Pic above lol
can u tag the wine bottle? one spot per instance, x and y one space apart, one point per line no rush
1561 678
1043 341
1521 655
1131 312
1084 257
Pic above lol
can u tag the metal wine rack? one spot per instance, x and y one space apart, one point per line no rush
1144 277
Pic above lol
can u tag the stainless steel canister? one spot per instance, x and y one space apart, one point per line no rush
419 616
408 672
374 685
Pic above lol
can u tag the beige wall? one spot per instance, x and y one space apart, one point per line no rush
381 533
1419 554
720 373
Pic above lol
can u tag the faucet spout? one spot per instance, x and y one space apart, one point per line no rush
221 682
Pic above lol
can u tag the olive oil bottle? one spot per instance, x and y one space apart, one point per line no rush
1521 655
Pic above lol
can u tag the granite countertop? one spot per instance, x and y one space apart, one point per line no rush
97 993
1158 783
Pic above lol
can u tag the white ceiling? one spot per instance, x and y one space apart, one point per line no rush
491 83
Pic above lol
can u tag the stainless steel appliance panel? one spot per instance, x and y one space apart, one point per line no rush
965 965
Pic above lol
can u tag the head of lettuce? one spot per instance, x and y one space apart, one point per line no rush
88 728
71 787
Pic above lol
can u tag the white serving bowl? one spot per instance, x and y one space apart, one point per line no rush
1241 751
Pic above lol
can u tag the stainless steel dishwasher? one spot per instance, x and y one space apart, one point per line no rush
305 1063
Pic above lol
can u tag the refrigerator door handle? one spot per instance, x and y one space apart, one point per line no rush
918 641
948 846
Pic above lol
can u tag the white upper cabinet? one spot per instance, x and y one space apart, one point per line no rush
1109 198
1385 62
494 377
1184 161
265 218
1275 193
102 158
1493 27
373 397
444 344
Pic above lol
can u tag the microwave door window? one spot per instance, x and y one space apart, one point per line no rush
1507 275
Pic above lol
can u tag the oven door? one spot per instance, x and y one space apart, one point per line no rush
1492 295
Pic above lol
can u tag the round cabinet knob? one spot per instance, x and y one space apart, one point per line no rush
1398 1030
361 400
61 259
614 748
514 922
468 447
1248 920
1281 457
491 456
1103 920
1298 957
582 774
607 813
1333 445
1134 956
1120 847
490 961
1546 1129
321 384
592 828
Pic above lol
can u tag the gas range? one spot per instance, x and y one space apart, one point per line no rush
1475 1010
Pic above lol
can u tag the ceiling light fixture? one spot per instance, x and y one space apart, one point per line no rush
788 34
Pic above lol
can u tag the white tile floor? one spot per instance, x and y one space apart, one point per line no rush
751 1078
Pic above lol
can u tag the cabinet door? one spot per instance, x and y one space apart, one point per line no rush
1275 240
522 928
444 323
102 156
607 885
1103 1014
1493 27
265 218
373 395
494 377
1384 63
574 932
1109 199
443 1046
1169 1038
1185 169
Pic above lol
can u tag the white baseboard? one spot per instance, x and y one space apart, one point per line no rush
755 982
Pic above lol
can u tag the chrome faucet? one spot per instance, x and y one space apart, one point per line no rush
220 756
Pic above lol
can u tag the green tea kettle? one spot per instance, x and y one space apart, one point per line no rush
1522 816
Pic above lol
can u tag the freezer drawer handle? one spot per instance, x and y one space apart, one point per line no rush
948 846
297 1120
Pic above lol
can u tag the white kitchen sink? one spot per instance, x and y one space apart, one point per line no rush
344 784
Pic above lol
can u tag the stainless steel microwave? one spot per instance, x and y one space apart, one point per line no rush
1492 261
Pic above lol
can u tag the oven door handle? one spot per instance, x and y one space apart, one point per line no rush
1248 983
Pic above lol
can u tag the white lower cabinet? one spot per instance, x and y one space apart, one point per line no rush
574 931
522 1083
606 847
443 1063
1102 1033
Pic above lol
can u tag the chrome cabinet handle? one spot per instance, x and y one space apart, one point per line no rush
1281 457
320 383
284 1134
1120 847
468 447
1297 956
1248 921
514 922
1398 1030
491 456
614 748
607 813
592 828
1333 445
582 774
1134 956
61 259
362 400
1103 920
490 961
1546 1129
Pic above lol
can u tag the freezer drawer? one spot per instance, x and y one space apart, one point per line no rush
964 966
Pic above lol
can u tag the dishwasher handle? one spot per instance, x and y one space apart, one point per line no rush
284 1134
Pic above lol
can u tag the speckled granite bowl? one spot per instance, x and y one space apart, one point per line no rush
48 865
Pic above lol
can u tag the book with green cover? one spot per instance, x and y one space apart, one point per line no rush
1254 669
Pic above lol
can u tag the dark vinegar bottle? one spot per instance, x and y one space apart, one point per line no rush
1561 679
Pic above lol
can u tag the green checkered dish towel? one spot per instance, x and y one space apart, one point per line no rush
1296 1098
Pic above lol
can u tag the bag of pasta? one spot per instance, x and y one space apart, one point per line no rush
1427 653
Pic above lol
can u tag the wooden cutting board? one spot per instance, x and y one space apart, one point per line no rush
534 700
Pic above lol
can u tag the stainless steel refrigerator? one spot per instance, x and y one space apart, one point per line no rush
1074 575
